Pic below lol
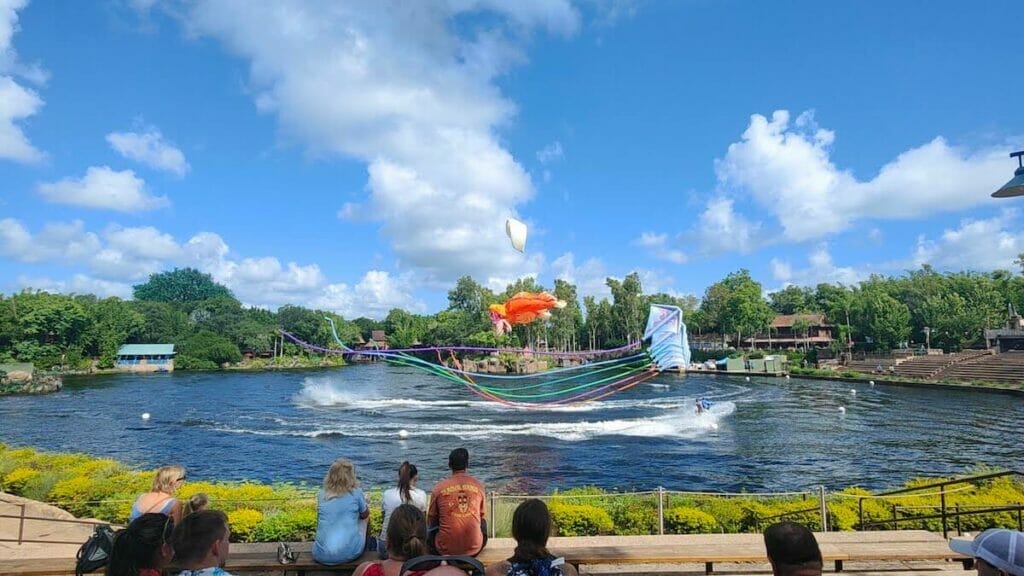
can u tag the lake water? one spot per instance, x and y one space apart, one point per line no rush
763 435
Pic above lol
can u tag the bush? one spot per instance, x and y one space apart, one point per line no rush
243 523
299 524
73 494
15 480
186 362
635 517
580 519
210 347
685 520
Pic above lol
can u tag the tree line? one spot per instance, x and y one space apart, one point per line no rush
210 327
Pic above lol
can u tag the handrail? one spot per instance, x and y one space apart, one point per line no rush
977 478
944 513
1019 509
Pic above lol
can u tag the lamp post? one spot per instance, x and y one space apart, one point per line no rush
1015 187
927 339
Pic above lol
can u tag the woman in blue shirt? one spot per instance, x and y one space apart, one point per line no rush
341 516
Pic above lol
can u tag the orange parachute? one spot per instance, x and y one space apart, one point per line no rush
523 308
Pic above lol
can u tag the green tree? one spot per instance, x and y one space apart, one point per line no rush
469 296
181 285
800 328
115 322
163 323
881 317
792 300
566 323
744 311
628 308
208 347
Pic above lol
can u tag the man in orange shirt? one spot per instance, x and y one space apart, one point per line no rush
456 515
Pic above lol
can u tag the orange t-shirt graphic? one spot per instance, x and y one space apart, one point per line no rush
457 507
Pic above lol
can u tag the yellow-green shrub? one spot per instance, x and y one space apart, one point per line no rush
14 481
635 517
685 520
243 523
580 519
297 524
73 494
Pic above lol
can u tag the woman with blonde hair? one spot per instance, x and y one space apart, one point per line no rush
341 512
160 498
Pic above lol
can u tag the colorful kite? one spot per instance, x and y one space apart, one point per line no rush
523 308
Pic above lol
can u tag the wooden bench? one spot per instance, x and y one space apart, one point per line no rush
707 549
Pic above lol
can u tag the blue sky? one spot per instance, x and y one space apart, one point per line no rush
361 156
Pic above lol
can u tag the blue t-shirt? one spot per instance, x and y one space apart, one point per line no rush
340 535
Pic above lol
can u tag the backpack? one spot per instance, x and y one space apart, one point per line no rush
539 567
95 553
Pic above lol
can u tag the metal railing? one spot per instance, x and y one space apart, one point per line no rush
945 514
22 517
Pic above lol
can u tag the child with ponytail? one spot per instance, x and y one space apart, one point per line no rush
405 493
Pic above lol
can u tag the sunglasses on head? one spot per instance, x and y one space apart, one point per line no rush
467 564
182 479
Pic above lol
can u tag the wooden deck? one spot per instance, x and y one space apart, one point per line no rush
604 553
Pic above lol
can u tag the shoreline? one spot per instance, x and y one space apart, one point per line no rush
916 383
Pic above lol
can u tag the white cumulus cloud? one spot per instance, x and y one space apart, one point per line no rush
786 168
820 268
661 247
401 87
16 102
78 284
102 187
149 148
122 256
977 244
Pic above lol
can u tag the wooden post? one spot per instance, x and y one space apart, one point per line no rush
860 513
21 524
895 524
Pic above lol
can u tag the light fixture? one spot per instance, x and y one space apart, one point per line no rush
1015 187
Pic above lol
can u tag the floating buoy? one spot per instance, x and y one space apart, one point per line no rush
842 409
853 391
145 415
403 433
748 378
787 376
872 382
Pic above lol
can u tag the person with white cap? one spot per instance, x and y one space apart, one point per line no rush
997 552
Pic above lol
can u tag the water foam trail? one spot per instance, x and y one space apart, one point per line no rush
679 423
325 392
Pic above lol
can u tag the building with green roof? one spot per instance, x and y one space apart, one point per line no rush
146 357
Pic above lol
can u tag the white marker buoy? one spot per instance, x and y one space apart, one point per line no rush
872 382
853 391
748 378
842 409
787 376
145 415
403 433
